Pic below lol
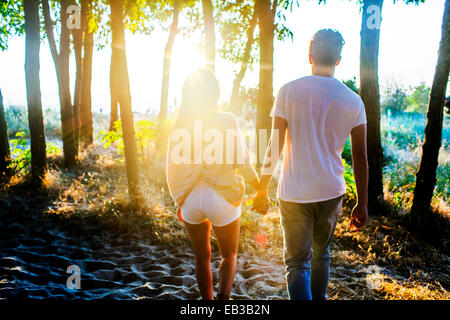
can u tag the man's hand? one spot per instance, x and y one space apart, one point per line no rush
261 202
359 217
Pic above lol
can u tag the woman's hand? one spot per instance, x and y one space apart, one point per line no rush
261 202
255 183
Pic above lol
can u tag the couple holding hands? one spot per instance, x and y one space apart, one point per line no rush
312 118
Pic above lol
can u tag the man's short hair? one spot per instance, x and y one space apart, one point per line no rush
326 47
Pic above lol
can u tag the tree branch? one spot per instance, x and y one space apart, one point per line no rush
49 30
248 46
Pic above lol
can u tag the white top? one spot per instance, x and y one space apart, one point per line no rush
320 112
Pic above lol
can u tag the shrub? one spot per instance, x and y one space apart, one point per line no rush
347 151
17 119
21 153
418 101
396 101
350 182
145 131
351 83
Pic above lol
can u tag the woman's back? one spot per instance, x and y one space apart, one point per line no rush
213 148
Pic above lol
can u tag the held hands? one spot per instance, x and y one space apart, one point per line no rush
261 202
359 217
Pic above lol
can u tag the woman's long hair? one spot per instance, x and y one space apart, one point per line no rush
199 99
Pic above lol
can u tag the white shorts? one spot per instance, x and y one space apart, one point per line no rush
205 203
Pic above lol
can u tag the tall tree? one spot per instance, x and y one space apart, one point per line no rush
77 36
61 61
370 94
167 60
265 10
426 175
123 94
163 126
86 124
4 142
35 119
210 35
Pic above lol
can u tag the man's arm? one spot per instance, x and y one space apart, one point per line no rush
261 200
361 171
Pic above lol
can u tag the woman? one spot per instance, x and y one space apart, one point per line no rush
205 149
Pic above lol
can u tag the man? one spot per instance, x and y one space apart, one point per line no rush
314 116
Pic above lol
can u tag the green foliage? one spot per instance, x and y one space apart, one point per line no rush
17 119
282 32
351 83
407 130
395 98
233 21
349 178
21 152
113 137
99 22
145 131
418 100
138 16
162 12
145 136
416 2
137 19
347 151
402 138
12 22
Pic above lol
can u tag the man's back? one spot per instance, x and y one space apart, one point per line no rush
320 114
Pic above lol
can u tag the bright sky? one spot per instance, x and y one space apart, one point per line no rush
409 45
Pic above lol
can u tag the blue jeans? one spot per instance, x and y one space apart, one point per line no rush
308 229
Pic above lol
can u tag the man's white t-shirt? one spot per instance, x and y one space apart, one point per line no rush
320 114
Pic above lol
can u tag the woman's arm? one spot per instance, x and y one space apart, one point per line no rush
250 175
261 201
242 157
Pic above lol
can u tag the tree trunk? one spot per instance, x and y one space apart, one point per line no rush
35 118
266 15
113 86
167 61
236 101
162 131
4 141
124 96
426 175
370 94
210 38
86 125
61 62
78 48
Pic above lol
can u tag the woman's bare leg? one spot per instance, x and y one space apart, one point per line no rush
199 234
228 238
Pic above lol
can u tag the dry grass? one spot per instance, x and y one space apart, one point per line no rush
403 290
